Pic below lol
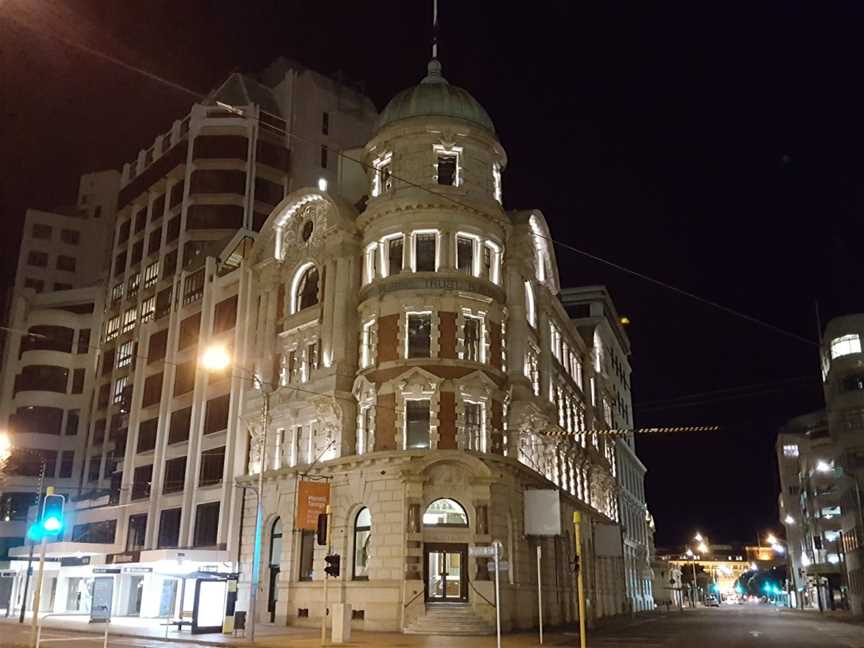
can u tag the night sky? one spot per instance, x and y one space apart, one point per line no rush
715 147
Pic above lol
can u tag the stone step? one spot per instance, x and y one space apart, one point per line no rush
450 620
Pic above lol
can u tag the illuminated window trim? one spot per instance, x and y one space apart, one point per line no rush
379 164
119 387
496 182
408 314
476 251
484 438
129 319
151 274
482 336
845 345
530 305
112 328
418 399
124 354
454 151
413 253
369 265
495 275
384 253
295 285
368 343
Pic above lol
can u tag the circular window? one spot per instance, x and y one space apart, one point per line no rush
307 230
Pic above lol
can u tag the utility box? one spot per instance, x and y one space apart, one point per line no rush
341 622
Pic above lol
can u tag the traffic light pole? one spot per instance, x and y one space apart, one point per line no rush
37 591
42 469
580 583
326 580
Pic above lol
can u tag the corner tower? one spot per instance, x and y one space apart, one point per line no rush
432 302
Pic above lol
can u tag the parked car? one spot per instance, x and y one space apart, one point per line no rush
711 601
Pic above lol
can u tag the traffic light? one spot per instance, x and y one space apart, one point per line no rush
52 514
332 568
322 529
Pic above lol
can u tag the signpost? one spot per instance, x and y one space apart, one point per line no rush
497 565
577 523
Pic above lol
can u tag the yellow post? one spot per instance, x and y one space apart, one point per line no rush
577 518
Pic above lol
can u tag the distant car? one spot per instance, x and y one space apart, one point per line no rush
711 601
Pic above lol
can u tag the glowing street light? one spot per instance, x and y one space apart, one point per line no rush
823 466
216 358
702 548
698 537
5 446
789 519
771 539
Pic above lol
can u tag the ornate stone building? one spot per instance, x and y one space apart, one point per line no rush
418 359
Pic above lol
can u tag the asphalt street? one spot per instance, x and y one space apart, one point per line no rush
726 627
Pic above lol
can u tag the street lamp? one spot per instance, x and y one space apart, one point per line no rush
216 359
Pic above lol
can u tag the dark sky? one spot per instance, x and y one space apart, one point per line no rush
715 146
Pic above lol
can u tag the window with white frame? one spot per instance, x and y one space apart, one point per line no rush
294 445
530 305
496 181
417 422
112 328
365 430
119 388
532 369
466 253
368 343
293 366
117 292
311 360
447 165
305 288
134 283
148 308
382 180
370 263
845 345
593 391
151 274
473 347
279 449
555 340
418 335
425 256
475 426
129 318
790 450
393 250
492 262
124 354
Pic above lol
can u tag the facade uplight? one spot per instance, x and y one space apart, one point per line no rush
216 358
322 184
789 520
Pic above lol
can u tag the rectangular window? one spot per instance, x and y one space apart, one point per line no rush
72 417
394 248
206 524
418 343
189 328
364 435
137 530
448 169
465 254
325 123
117 292
311 359
184 378
193 287
212 464
845 345
225 315
78 381
154 241
293 366
70 237
473 339
169 529
307 554
496 181
180 423
216 416
148 309
129 318
368 342
158 346
124 354
66 263
93 468
790 451
41 231
323 156
474 427
152 390
151 274
112 328
383 179
38 259
141 480
133 284
370 265
147 435
425 251
175 475
67 459
36 284
119 389
83 341
416 424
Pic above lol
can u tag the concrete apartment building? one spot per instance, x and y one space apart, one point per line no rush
158 450
408 336
821 458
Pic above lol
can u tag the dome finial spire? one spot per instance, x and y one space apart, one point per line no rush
434 29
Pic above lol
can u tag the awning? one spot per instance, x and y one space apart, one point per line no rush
64 550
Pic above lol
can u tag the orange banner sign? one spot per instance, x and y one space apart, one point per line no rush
312 500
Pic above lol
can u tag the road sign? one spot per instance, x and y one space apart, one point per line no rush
482 552
502 566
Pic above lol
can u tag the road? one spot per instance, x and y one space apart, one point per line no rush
726 627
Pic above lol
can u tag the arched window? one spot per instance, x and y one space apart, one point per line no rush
304 289
530 306
362 538
445 512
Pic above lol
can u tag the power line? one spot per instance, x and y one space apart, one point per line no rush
728 390
594 257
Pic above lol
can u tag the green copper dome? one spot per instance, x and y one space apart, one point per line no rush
434 96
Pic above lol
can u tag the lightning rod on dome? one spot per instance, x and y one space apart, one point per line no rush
434 29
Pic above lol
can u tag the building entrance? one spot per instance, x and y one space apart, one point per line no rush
446 572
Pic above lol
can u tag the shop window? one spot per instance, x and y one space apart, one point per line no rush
307 554
169 528
212 466
136 533
446 513
417 419
362 544
175 475
418 341
206 524
425 251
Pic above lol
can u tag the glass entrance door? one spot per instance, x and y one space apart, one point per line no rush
446 572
